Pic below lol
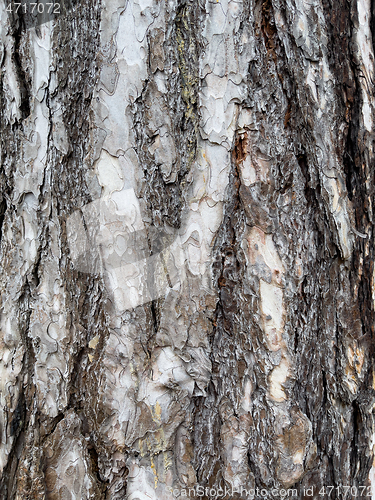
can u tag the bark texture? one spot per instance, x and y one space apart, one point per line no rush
187 250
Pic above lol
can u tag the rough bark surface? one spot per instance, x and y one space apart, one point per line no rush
187 250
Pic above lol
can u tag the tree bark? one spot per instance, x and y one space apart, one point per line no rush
187 250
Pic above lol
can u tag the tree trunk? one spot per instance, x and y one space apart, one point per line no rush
187 250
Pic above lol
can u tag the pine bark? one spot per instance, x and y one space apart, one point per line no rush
187 250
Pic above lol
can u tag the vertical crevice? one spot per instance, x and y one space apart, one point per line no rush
23 79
